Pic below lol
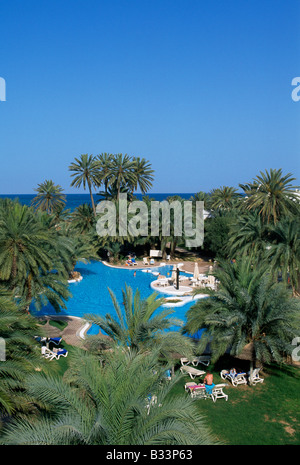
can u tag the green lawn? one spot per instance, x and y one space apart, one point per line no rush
60 324
265 414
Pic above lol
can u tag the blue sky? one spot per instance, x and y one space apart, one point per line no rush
201 89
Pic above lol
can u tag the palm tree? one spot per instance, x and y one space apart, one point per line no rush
34 258
22 244
113 249
121 172
49 197
60 215
176 232
284 252
248 309
249 235
43 289
106 405
143 174
83 218
85 173
142 325
272 194
202 197
17 329
224 198
111 192
217 234
83 248
103 162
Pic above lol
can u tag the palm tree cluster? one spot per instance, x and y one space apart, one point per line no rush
106 404
38 248
38 251
105 396
20 356
255 239
118 173
168 233
34 257
248 310
262 223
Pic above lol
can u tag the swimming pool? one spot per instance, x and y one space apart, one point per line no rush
91 295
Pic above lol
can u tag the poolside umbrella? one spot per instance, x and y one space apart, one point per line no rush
196 271
174 274
211 279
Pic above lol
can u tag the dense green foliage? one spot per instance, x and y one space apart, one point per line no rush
249 309
102 397
106 404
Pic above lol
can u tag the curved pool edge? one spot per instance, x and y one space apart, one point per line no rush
136 267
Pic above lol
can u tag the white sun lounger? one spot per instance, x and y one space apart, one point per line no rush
255 377
217 392
162 282
236 380
199 392
193 372
187 386
204 359
50 355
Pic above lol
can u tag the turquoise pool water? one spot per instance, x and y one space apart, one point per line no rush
91 295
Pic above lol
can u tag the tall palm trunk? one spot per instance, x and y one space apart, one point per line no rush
119 188
14 271
105 188
14 268
29 293
92 198
173 247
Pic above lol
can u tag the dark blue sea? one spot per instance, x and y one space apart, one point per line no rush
74 200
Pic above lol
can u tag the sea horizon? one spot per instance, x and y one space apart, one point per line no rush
74 200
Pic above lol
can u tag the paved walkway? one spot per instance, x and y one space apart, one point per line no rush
187 265
71 334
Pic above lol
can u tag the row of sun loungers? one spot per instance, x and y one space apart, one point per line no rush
236 379
215 391
47 340
163 282
151 262
199 391
55 353
204 359
241 378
